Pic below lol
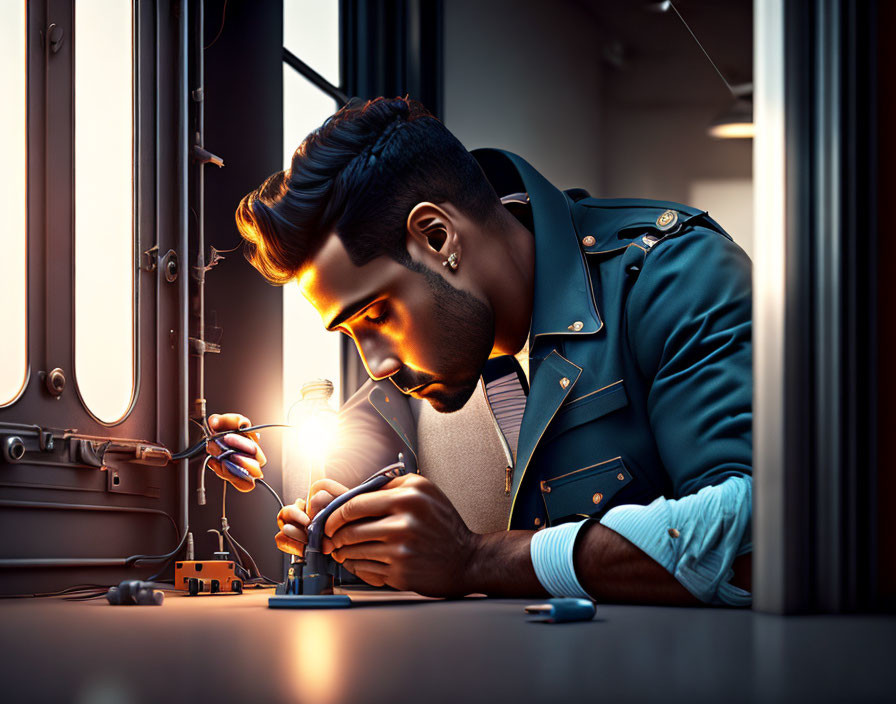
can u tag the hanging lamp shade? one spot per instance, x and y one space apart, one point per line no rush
737 121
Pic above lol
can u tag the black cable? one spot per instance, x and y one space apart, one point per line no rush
270 489
196 449
61 592
251 566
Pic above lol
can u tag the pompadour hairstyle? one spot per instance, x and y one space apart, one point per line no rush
360 174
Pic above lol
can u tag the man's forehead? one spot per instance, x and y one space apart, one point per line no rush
332 283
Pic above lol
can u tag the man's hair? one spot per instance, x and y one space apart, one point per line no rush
360 174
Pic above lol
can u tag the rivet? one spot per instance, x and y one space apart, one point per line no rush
588 241
673 532
538 521
667 220
564 382
597 498
620 477
545 488
576 326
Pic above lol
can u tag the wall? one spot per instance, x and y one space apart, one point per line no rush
522 76
605 96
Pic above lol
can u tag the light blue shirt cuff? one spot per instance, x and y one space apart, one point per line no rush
551 550
696 537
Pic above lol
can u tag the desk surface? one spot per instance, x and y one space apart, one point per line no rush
230 648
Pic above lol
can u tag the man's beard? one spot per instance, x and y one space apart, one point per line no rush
465 339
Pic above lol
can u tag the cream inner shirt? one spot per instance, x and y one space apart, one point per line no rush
463 454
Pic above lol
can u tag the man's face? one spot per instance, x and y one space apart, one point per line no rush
409 324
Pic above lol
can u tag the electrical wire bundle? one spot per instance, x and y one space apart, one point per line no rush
241 556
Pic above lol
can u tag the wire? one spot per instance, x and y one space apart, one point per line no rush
217 36
61 592
196 449
705 53
270 489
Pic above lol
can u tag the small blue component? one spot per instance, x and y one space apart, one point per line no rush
563 610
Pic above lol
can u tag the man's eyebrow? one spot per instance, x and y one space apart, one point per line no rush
351 311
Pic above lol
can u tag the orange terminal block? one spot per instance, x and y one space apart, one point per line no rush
212 576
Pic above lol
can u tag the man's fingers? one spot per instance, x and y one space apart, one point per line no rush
246 448
288 545
372 505
363 531
259 453
233 474
294 532
242 462
292 514
319 501
329 485
219 422
228 421
368 568
375 552
322 492
240 443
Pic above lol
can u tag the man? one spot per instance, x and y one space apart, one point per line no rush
636 316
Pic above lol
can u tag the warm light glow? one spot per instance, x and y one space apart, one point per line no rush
316 433
311 31
732 130
104 207
312 658
13 203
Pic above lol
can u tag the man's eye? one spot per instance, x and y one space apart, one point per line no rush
377 314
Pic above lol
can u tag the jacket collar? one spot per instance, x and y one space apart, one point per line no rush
563 298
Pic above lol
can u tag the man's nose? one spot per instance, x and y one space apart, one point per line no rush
380 363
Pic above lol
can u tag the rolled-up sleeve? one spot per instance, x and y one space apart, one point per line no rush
695 538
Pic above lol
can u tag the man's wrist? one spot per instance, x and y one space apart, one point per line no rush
499 565
472 576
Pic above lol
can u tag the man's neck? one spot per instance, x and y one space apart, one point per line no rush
514 284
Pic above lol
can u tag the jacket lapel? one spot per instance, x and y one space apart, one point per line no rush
550 386
397 415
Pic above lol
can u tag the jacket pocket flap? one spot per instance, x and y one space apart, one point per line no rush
587 408
584 492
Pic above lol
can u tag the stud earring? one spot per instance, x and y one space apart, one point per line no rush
451 261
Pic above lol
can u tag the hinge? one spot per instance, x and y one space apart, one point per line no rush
149 259
201 347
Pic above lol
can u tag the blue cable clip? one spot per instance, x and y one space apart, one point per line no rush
563 610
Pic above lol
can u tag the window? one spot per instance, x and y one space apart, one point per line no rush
104 207
311 32
13 203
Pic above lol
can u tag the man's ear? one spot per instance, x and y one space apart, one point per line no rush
431 233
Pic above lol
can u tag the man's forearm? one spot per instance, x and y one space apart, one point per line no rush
609 567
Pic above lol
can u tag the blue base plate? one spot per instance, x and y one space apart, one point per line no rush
309 601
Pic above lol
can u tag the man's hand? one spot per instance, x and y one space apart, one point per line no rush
293 520
240 470
406 535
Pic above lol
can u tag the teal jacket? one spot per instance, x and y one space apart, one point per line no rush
640 356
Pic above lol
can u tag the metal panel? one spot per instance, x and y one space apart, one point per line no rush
49 475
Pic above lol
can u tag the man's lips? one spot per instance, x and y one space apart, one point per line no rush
417 389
